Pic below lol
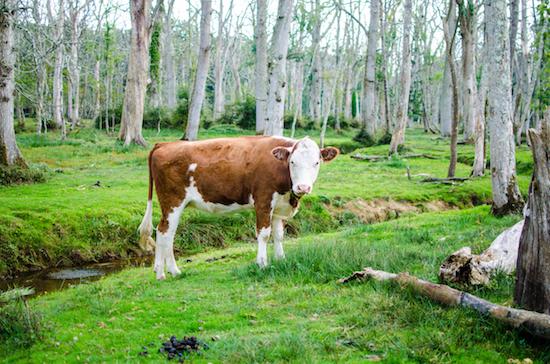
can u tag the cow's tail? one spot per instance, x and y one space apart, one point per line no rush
146 241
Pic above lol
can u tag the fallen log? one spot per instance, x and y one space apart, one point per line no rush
466 268
535 323
449 180
376 158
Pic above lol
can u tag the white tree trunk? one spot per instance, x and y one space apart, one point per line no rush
97 84
369 103
197 99
219 67
446 92
506 196
74 69
277 70
168 59
9 152
315 101
138 73
58 71
398 136
261 66
468 29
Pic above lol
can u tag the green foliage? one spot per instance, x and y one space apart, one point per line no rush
364 138
13 175
354 96
19 324
154 52
385 139
114 115
242 113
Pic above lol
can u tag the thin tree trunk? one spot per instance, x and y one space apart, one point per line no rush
398 136
9 152
506 196
58 69
276 69
197 99
138 71
446 92
468 28
261 66
369 102
532 290
316 112
219 67
168 59
449 41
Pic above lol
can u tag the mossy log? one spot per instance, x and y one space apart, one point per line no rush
535 323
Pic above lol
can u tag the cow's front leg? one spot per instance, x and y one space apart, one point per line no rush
263 232
164 252
278 228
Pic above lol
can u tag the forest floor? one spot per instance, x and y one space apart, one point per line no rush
292 311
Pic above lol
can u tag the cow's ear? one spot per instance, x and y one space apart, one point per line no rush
281 153
329 153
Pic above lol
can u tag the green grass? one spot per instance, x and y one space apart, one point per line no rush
69 220
293 311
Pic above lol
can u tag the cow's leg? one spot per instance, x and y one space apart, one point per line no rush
263 232
164 252
278 228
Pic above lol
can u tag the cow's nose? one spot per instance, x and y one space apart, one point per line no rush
303 189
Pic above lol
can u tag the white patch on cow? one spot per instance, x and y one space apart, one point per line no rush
263 238
192 167
146 228
164 252
195 199
280 206
304 164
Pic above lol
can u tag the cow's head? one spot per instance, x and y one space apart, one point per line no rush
303 160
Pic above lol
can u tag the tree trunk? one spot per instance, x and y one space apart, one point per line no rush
97 83
261 66
74 71
276 69
138 71
219 66
506 196
449 45
468 28
197 99
533 272
316 112
58 71
398 136
168 59
369 103
9 152
446 93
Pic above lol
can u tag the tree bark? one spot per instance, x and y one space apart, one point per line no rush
9 152
468 27
219 67
261 66
533 271
276 69
449 45
398 136
168 59
446 92
58 69
197 99
506 196
138 72
369 103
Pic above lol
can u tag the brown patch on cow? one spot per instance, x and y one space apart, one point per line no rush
228 170
379 210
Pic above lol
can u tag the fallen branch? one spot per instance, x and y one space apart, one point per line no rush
465 268
535 323
448 181
376 158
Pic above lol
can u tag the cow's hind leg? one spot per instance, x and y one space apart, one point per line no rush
263 231
164 252
278 228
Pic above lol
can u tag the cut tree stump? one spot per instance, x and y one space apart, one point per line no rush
535 323
465 268
533 272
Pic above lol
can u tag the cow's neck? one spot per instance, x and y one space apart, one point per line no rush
294 199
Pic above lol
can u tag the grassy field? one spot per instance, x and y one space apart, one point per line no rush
94 198
294 311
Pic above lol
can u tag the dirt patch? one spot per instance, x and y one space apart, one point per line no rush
379 210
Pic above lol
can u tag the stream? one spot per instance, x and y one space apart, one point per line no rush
55 279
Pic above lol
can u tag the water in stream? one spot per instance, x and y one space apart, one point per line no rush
55 279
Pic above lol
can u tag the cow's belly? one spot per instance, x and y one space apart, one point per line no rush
281 206
194 199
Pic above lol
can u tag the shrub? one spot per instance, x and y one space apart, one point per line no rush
13 175
385 139
242 113
114 114
153 117
364 138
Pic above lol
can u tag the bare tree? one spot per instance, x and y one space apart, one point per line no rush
446 92
276 70
58 67
260 82
506 196
168 58
192 131
138 73
369 84
449 45
9 152
398 135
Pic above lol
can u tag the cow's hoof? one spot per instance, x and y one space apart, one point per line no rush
280 256
161 277
261 263
175 271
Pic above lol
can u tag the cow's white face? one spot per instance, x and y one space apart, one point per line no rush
304 161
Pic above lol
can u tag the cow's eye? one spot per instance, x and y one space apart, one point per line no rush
291 162
316 164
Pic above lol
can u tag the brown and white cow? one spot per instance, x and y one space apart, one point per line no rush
269 174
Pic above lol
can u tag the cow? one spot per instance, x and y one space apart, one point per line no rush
268 174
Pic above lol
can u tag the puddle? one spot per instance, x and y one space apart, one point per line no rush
49 280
